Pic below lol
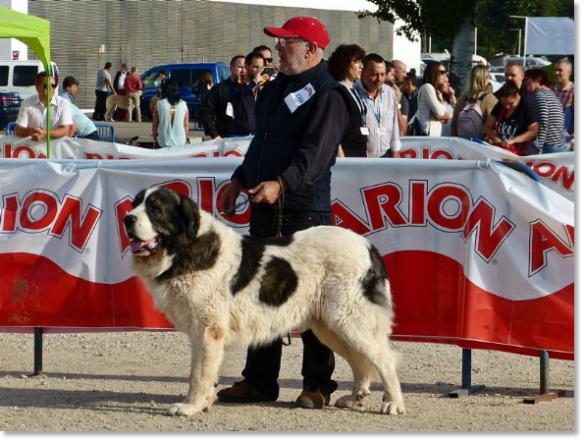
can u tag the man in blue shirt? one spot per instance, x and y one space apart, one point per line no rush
70 86
82 126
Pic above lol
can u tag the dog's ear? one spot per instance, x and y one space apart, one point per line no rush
190 216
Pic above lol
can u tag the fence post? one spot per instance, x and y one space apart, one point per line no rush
545 393
466 387
38 361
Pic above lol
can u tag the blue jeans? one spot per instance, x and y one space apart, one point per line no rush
263 363
554 149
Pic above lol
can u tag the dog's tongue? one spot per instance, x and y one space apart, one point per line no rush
136 244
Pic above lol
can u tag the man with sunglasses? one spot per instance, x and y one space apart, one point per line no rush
32 118
300 120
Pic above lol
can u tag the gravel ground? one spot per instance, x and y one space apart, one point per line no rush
125 381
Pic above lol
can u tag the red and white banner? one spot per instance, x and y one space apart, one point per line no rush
556 170
478 254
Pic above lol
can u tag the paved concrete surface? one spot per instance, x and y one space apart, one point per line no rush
124 132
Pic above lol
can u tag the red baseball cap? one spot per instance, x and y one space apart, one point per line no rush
307 28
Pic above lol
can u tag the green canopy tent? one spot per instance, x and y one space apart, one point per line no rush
36 34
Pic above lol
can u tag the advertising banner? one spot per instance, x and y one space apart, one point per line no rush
478 254
555 170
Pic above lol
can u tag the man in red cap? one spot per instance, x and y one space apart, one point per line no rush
300 120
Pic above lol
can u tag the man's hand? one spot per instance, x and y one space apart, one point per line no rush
229 197
395 154
38 134
258 77
398 93
267 192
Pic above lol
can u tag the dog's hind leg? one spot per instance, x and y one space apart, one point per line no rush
360 365
385 360
375 347
207 349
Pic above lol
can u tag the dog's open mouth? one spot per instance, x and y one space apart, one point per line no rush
139 247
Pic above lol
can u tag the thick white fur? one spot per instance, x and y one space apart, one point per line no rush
329 262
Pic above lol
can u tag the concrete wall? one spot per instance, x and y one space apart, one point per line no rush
149 33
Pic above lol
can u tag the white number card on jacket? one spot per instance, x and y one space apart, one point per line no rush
300 97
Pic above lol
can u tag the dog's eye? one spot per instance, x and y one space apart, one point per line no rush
156 210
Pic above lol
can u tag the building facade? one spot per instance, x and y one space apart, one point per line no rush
85 34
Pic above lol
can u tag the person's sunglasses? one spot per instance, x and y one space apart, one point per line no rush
443 72
268 60
53 86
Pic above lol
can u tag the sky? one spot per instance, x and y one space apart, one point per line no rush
337 5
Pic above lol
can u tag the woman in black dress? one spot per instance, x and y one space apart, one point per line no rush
345 66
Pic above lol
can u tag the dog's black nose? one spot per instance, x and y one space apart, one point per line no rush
129 220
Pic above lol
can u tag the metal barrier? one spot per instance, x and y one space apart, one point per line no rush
11 128
105 132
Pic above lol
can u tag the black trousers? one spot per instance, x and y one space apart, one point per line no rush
263 363
100 105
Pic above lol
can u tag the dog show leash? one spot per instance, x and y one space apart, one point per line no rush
233 209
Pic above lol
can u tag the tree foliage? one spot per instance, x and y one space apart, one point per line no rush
442 19
439 18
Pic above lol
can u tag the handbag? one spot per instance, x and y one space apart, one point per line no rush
415 129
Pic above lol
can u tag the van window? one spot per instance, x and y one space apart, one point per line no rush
224 73
3 75
186 77
24 75
151 80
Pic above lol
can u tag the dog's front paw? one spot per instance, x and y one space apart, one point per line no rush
182 410
393 407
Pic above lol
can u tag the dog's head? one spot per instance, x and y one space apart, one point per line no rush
160 218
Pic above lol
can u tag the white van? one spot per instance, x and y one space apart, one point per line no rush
19 76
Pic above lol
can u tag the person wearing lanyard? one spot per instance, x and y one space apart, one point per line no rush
382 117
345 66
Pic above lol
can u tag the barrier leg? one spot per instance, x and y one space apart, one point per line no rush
38 362
545 393
466 387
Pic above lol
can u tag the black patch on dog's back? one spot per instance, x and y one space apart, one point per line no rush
375 278
252 252
278 283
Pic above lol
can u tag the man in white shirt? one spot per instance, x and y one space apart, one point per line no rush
32 118
382 115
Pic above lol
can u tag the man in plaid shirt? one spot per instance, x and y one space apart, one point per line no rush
565 89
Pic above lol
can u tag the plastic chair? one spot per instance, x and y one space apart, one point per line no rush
11 128
105 132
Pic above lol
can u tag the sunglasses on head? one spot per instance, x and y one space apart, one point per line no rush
53 86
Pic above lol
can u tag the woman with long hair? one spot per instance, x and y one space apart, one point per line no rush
512 124
345 66
170 121
549 112
431 113
202 87
479 90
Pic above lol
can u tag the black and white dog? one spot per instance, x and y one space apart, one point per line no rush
222 288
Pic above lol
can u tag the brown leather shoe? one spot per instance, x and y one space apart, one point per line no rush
312 398
241 393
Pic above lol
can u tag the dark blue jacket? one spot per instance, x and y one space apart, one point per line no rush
300 145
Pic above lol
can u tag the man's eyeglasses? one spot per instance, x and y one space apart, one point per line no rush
283 41
268 60
53 86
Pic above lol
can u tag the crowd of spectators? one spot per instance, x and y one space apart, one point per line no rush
527 115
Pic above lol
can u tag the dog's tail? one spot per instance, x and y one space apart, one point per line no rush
375 283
